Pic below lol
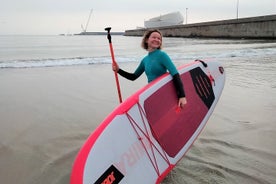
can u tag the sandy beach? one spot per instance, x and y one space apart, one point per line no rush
46 115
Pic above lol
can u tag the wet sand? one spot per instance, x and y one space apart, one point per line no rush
47 114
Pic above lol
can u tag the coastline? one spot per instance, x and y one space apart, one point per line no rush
262 27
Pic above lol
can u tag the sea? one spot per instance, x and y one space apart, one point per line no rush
237 145
50 51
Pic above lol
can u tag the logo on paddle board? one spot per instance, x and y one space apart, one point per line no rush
111 176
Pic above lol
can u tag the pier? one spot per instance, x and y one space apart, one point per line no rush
262 27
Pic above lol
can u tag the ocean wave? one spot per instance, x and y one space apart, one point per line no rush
36 63
176 55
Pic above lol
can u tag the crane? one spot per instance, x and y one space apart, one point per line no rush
84 29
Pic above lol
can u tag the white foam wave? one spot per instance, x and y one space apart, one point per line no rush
34 63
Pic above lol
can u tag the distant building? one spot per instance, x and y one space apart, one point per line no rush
170 19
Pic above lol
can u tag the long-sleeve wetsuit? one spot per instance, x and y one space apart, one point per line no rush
155 64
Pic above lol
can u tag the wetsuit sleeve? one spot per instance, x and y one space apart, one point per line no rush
178 85
129 76
133 76
167 62
176 77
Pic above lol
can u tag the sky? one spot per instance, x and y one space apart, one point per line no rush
52 17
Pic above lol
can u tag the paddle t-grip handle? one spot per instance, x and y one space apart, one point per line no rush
108 33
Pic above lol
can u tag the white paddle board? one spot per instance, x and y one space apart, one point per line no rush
142 140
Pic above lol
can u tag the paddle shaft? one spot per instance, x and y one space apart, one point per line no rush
114 63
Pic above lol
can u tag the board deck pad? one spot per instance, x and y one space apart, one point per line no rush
172 129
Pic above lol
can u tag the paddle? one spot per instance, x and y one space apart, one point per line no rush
113 62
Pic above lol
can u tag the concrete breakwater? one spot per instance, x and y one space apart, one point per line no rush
262 27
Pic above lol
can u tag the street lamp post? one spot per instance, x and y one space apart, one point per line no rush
237 9
186 15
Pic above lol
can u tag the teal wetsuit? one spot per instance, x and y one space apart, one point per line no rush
155 64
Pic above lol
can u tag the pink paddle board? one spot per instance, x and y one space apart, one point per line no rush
142 140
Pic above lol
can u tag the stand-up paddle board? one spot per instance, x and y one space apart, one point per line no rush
142 140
